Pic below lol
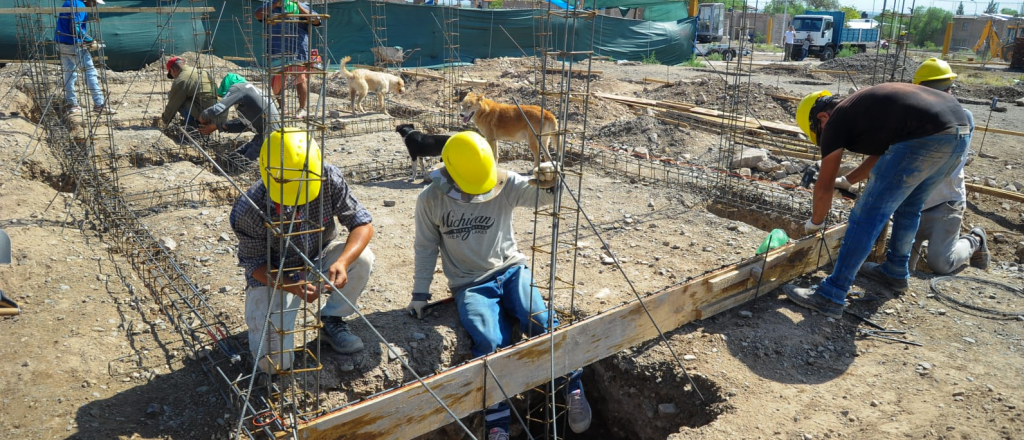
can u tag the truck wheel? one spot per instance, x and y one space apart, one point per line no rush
827 53
728 55
1008 52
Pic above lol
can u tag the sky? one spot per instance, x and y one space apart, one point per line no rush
949 5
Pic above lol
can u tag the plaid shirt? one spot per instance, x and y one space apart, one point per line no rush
254 238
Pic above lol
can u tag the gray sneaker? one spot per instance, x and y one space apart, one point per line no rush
874 271
808 297
579 411
337 335
497 434
981 257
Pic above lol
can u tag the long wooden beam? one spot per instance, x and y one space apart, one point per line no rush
107 10
995 192
410 411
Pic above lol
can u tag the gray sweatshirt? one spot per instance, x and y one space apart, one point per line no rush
475 240
259 111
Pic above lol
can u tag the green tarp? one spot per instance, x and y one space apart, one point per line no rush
482 33
134 40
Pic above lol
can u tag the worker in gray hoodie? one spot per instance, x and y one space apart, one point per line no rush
256 111
465 215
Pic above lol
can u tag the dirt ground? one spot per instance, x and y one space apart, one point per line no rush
92 357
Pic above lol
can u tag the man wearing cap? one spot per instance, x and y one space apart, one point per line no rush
303 200
788 37
191 92
287 44
465 215
75 44
914 137
256 111
944 209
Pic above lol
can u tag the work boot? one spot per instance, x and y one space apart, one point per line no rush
337 335
579 411
497 434
808 297
874 271
981 256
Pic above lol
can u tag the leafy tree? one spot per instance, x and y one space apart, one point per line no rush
960 9
1008 11
495 4
851 13
780 6
991 8
823 5
928 24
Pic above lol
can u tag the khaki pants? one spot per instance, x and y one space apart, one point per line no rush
278 338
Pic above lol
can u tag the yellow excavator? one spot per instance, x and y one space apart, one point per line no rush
996 48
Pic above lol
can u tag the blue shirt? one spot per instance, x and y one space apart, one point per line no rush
71 27
254 238
288 38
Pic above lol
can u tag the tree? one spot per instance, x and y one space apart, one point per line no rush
991 8
929 25
851 12
823 5
1008 11
780 7
960 9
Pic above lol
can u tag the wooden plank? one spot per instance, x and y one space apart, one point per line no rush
658 81
852 72
409 411
556 69
416 74
997 130
995 192
784 97
231 58
107 10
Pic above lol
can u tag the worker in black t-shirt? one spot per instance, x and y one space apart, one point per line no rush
914 138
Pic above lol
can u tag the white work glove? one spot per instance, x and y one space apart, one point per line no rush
92 45
843 184
545 176
415 308
810 227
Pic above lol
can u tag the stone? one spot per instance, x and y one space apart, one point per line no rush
991 182
168 243
768 166
389 203
224 237
606 260
745 172
746 314
154 409
394 352
689 357
1018 185
875 403
972 341
959 393
419 336
780 174
941 311
346 366
999 238
667 409
748 157
334 114
225 289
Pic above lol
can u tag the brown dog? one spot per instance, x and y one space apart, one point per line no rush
504 122
361 82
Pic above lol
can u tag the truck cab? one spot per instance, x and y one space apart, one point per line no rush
821 27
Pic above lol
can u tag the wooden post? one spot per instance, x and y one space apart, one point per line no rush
945 40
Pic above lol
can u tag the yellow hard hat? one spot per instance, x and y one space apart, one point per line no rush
467 157
803 113
290 166
933 69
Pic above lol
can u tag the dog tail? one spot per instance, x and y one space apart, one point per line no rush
343 70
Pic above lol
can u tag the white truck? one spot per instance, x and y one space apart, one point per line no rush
829 34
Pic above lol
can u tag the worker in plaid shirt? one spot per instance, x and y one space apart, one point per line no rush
346 263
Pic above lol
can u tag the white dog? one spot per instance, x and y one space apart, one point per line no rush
361 82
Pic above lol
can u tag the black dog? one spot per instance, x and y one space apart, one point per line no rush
420 145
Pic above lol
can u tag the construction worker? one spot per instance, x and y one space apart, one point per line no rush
287 44
191 92
465 215
944 209
74 45
256 111
788 37
290 167
914 138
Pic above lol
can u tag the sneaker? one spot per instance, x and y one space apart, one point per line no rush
808 297
301 114
874 271
497 434
981 256
337 335
104 110
579 411
75 109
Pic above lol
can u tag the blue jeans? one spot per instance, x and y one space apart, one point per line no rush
900 183
489 309
71 58
186 112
